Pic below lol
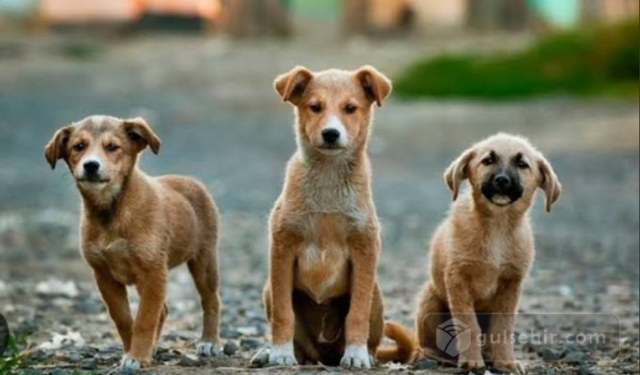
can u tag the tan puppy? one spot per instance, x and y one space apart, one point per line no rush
322 298
482 253
135 228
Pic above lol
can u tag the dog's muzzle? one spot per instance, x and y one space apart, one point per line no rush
333 137
503 189
90 173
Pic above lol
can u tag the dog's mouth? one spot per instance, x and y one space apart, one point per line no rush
330 149
502 198
93 181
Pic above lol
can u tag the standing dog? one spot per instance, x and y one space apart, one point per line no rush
482 253
322 298
135 228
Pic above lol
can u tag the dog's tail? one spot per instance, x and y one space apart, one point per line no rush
406 348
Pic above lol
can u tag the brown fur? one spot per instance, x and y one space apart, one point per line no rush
482 253
406 349
322 293
135 228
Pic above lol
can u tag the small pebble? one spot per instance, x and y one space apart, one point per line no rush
231 348
188 361
550 354
89 364
250 344
575 358
261 359
126 371
427 364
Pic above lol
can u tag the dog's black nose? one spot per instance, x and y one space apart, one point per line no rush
91 167
502 182
330 135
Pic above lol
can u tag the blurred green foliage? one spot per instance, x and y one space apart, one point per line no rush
597 61
12 359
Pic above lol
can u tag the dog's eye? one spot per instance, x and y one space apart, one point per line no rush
350 109
489 160
522 164
316 107
79 147
111 147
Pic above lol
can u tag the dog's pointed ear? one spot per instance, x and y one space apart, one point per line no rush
291 86
140 132
458 172
376 85
549 182
56 149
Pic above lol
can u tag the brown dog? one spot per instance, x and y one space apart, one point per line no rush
135 228
482 253
322 298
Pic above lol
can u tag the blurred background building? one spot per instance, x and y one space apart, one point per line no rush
248 18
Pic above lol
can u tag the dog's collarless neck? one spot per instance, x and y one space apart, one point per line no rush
113 207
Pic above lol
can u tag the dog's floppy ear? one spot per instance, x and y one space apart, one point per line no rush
291 86
375 84
56 148
139 131
458 172
549 183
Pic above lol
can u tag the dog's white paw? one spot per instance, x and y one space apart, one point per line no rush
282 355
356 357
208 350
130 364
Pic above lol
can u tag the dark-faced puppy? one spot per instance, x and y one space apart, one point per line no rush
135 228
322 297
482 253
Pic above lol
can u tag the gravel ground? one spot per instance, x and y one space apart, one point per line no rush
212 104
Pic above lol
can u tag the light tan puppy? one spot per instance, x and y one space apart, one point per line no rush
482 253
135 228
322 297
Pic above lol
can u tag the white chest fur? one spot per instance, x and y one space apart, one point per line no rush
327 189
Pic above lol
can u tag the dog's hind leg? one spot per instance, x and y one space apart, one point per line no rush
432 312
204 270
163 319
376 321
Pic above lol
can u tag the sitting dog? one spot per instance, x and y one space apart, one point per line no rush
135 228
482 253
322 298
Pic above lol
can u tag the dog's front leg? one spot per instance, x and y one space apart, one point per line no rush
501 326
115 297
365 250
465 322
152 290
284 248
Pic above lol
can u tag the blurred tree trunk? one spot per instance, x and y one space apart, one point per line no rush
354 16
498 14
253 18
